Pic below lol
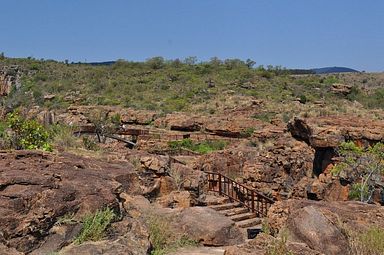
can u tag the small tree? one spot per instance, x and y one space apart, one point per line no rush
363 167
250 63
104 123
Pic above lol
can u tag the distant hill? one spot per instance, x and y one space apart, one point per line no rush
335 69
324 70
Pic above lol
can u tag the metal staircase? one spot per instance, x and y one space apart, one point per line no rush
247 207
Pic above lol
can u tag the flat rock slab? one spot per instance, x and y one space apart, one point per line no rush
37 188
200 251
208 226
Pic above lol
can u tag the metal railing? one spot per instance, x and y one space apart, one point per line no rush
250 198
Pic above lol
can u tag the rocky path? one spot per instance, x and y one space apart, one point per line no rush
200 251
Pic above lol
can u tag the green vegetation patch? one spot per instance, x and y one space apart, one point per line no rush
200 147
371 241
17 132
95 225
363 167
367 242
163 238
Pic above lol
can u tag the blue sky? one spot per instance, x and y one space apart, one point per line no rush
291 33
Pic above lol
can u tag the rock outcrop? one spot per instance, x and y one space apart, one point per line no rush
330 131
37 188
180 122
339 88
9 76
79 115
321 225
281 168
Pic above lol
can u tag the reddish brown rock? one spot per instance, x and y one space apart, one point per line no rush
207 226
233 126
9 76
321 225
37 188
167 185
139 117
158 164
339 88
177 199
135 206
180 122
313 228
323 132
78 115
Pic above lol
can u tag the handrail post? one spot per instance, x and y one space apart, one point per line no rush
253 201
219 175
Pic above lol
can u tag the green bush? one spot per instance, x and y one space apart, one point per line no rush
363 167
90 144
357 190
95 225
372 240
3 129
247 132
28 134
200 147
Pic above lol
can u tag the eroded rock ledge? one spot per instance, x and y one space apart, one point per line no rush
331 131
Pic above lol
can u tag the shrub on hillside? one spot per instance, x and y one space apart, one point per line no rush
363 167
25 134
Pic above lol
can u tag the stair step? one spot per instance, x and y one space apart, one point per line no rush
248 223
234 211
243 216
224 206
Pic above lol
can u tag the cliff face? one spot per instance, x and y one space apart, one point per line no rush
9 76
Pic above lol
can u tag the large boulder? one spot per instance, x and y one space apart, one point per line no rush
207 226
177 199
135 206
37 188
313 228
322 225
158 164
